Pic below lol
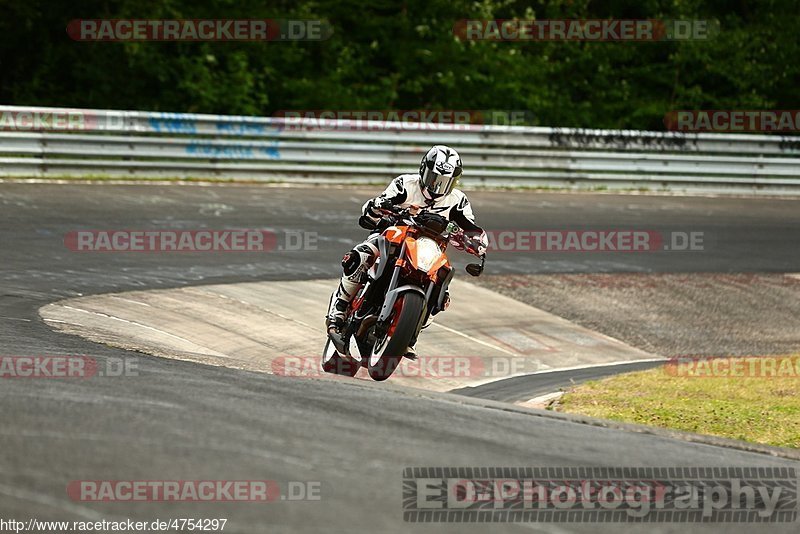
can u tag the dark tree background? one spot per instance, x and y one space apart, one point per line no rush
403 55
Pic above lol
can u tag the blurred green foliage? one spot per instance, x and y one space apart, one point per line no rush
403 55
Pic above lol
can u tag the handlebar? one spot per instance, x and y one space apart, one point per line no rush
388 218
390 214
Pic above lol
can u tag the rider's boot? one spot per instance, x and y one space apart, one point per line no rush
337 312
335 322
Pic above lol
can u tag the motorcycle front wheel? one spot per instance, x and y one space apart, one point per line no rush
388 351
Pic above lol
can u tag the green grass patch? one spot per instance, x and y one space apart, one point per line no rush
756 403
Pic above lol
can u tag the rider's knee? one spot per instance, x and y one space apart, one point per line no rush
363 256
367 252
351 262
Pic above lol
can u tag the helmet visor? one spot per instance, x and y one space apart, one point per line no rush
438 184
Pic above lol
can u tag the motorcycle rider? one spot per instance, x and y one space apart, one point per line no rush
432 189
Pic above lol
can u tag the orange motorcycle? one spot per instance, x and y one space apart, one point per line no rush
406 286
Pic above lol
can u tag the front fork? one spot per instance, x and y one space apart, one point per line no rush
393 292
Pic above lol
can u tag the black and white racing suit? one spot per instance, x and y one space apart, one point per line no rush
404 192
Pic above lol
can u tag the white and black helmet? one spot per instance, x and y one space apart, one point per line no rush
439 171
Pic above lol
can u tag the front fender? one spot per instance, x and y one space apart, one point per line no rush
391 298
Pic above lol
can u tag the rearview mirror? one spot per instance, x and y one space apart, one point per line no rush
475 269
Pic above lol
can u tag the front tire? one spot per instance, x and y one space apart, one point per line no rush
388 352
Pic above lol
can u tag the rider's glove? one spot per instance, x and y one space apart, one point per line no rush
477 244
457 239
373 207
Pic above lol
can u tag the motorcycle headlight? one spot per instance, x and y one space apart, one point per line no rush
427 253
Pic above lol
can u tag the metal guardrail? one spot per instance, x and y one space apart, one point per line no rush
151 144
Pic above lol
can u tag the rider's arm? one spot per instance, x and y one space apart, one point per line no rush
395 194
462 215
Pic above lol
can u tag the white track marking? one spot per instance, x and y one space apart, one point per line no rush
476 340
266 310
131 301
107 316
543 399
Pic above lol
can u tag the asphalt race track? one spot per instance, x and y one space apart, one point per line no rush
182 421
523 388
